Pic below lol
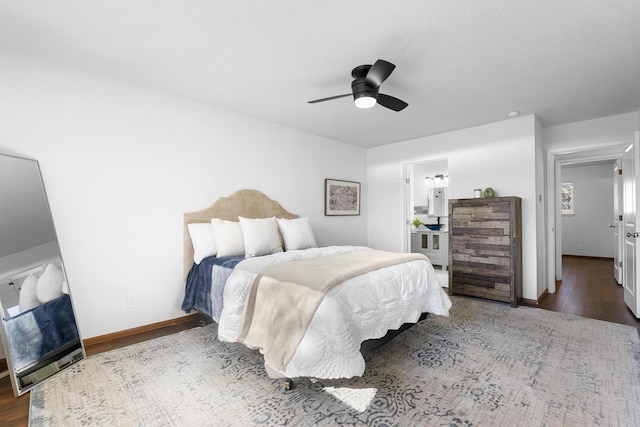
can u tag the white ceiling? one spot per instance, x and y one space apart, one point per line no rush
460 63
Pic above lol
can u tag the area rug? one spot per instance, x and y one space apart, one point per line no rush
486 364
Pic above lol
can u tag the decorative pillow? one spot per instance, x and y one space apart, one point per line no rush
296 233
203 239
228 237
260 236
28 298
49 285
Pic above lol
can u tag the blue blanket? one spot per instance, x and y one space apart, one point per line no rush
199 287
57 323
41 331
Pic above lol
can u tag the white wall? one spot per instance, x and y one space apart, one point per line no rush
121 165
500 155
587 232
590 132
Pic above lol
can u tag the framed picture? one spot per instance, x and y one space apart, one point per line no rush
566 198
341 197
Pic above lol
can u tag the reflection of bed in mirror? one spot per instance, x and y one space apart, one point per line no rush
384 292
39 330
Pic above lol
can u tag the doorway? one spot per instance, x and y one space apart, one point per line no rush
426 210
587 209
588 287
607 153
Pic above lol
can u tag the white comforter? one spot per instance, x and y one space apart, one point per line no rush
361 308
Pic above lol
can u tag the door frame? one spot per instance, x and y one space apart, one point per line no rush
555 159
408 193
630 227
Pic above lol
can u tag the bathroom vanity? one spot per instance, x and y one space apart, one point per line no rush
434 244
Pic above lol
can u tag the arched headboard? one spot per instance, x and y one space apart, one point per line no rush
245 203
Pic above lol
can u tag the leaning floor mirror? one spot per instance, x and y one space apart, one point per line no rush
39 331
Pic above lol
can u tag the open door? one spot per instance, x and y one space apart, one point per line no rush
630 162
617 222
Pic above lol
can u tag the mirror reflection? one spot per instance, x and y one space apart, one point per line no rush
430 191
437 187
39 331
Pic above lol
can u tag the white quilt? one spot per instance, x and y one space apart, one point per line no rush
364 307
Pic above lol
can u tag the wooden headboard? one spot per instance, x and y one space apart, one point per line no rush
245 203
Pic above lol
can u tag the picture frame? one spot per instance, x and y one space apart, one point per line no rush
341 197
567 198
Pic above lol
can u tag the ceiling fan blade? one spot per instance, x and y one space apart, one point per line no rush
379 73
391 102
329 98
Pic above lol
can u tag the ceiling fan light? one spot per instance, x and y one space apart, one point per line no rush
365 101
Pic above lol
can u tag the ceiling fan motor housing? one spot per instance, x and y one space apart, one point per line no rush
359 86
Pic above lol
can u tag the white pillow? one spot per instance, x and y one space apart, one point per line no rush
261 236
203 239
296 233
50 284
28 298
228 237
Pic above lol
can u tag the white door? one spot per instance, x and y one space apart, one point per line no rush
630 159
617 223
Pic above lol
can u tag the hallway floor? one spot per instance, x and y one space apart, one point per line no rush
588 289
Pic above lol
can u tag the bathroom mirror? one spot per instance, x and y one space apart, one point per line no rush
39 331
438 206
430 189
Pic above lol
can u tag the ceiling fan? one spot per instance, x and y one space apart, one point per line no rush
364 88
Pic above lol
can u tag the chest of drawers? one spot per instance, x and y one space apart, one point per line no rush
485 248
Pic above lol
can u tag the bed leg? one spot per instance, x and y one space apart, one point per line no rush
288 384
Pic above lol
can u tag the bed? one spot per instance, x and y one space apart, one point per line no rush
315 329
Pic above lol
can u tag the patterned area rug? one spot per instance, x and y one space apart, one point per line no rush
487 364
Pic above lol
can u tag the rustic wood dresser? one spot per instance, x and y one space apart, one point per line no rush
485 248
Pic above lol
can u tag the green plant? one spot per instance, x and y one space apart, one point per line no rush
416 222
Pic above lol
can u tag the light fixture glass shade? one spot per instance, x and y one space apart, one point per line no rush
365 102
439 180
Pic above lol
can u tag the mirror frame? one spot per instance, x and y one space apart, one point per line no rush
24 378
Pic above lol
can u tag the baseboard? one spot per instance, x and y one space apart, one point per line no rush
534 302
190 318
529 302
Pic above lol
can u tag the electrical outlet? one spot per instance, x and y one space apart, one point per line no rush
132 301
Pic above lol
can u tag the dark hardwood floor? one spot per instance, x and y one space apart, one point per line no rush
13 411
587 289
